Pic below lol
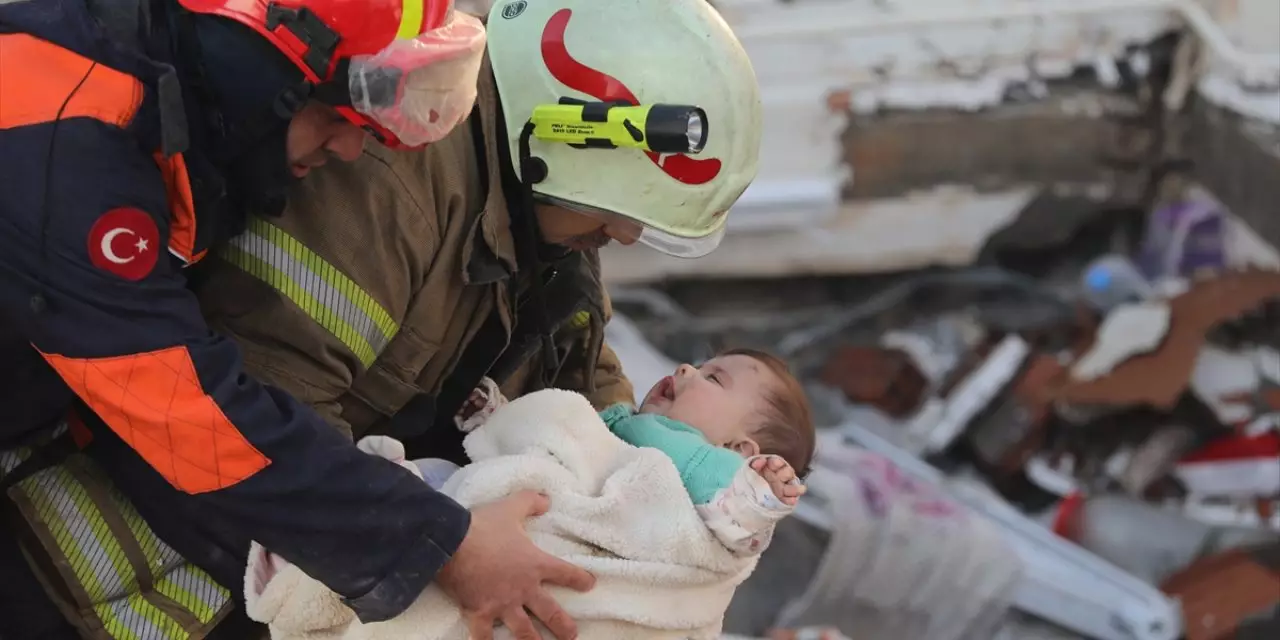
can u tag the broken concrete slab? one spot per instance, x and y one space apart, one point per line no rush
1159 378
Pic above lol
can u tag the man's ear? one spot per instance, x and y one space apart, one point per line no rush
745 447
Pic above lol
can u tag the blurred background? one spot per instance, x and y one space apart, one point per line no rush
1023 252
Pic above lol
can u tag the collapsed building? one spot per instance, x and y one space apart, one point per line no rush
938 181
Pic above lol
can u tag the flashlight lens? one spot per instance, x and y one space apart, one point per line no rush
695 132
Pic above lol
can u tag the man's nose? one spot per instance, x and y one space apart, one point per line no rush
625 233
347 143
685 370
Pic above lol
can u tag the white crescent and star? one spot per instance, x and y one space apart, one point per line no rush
110 254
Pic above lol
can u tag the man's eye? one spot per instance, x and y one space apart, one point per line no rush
715 377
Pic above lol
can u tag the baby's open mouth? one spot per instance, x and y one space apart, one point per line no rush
666 388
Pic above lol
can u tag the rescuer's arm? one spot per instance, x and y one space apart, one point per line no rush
131 342
611 383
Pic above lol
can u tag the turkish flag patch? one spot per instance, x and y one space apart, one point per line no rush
125 242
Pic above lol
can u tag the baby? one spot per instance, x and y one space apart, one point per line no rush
737 429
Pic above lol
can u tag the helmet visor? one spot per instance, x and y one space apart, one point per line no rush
628 230
418 89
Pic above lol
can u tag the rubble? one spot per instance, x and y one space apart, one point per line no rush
887 379
1160 377
1234 594
1150 420
1123 440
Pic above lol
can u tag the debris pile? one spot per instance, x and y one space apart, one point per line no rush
1116 420
1145 428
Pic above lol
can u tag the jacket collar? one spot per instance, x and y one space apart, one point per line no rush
491 255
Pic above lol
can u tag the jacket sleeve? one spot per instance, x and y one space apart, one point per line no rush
136 350
611 384
367 242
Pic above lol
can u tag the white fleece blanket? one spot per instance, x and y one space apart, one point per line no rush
618 511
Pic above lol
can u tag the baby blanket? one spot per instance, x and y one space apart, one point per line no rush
618 511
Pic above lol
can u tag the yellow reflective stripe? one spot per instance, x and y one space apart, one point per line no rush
97 559
97 527
322 315
167 626
140 619
195 591
410 19
179 581
347 288
144 614
319 289
47 507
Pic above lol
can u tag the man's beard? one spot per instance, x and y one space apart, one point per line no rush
262 175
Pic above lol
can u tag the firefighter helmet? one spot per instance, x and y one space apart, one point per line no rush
404 70
623 84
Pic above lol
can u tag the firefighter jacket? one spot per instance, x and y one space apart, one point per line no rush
371 289
101 211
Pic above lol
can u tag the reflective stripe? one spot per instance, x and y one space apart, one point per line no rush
323 292
410 19
70 523
195 591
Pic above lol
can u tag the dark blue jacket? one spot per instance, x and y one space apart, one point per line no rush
99 216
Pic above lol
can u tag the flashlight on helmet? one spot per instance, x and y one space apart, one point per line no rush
661 128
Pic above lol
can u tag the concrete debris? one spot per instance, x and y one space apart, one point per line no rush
887 379
1119 435
1147 431
1159 378
1017 427
1231 595
1155 458
1127 331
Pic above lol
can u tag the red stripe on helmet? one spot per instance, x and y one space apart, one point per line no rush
606 88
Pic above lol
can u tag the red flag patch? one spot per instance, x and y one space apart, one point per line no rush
125 242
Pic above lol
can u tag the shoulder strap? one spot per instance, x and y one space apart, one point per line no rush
52 453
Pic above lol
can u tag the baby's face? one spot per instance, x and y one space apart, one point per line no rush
722 399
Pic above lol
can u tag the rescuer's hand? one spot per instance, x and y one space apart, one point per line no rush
498 574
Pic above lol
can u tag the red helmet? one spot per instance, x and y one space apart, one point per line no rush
404 70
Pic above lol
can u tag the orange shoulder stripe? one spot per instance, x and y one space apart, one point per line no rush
155 403
36 77
182 208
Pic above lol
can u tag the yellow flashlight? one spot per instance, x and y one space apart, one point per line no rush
662 128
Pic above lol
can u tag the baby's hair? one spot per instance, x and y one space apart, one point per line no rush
787 430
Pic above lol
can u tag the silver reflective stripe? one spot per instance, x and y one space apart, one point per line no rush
323 292
75 531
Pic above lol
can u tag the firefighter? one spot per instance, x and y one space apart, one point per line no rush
391 285
135 135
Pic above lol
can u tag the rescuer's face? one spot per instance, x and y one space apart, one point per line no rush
318 132
581 231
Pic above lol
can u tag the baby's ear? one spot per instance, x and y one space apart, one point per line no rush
745 447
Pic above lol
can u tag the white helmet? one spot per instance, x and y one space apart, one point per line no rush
688 84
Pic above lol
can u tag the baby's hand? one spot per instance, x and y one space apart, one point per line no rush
483 401
781 478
